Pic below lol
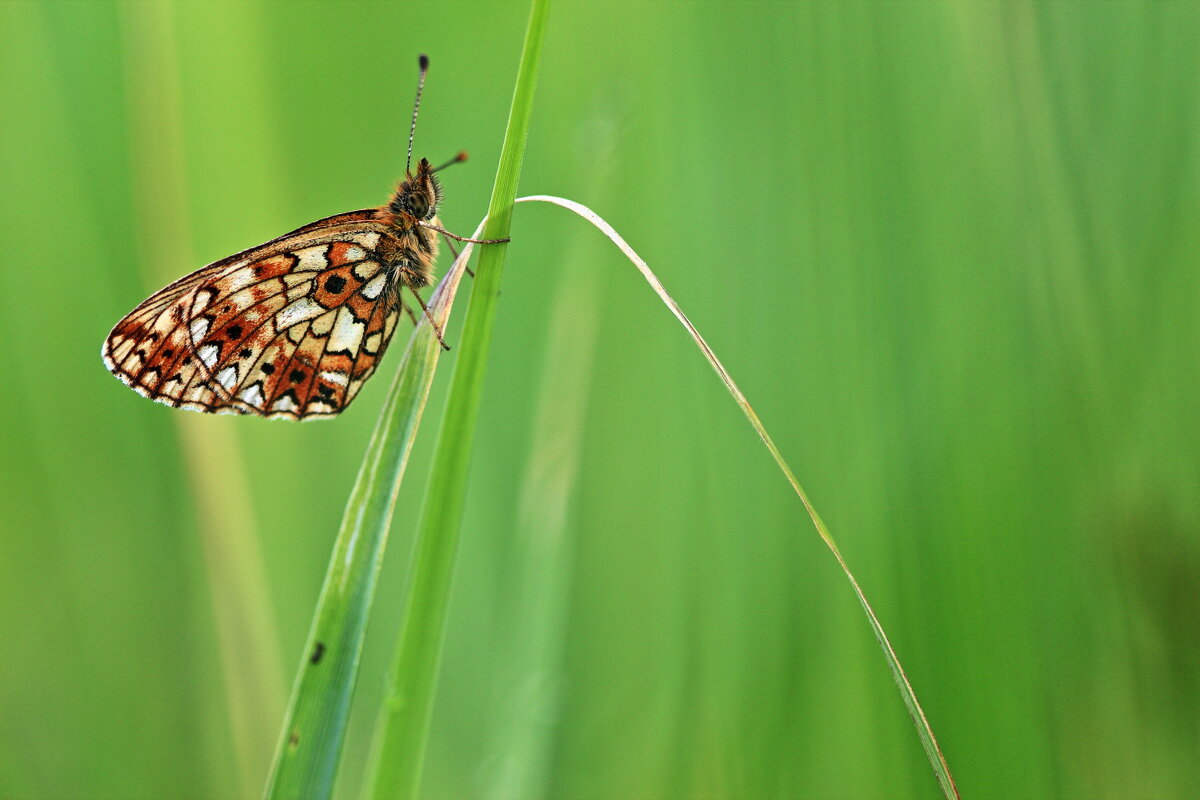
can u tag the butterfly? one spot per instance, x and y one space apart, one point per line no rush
293 328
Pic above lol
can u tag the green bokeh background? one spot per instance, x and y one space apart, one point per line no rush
949 250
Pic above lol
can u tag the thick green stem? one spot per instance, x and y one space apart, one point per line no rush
403 726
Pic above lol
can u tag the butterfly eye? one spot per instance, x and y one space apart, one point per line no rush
417 204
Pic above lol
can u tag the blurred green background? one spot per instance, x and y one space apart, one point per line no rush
949 250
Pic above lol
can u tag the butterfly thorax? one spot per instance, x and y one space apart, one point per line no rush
406 252
411 249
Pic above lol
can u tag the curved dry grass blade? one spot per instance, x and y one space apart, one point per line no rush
315 725
940 768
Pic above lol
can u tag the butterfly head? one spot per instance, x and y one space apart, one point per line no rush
419 195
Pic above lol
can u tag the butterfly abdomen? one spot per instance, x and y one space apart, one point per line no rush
410 254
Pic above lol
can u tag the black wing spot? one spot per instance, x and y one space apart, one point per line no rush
335 284
324 391
298 375
245 353
268 368
234 332
169 353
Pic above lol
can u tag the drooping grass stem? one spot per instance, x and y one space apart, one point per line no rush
937 760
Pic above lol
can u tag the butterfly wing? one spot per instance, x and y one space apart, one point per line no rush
290 329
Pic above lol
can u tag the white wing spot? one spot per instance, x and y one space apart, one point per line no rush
373 289
347 332
367 240
285 403
311 258
199 328
303 309
203 298
296 278
227 377
322 324
333 377
253 394
237 280
363 270
208 354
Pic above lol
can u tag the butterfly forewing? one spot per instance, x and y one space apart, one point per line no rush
292 328
289 329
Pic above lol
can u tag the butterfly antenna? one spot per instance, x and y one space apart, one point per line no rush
423 62
458 159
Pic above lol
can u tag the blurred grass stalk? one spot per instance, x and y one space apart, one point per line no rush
520 747
403 727
236 579
941 769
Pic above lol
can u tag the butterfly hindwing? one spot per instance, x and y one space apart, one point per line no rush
292 328
289 329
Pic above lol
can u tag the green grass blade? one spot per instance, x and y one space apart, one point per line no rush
315 726
404 722
940 768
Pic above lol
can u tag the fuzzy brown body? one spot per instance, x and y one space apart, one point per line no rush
289 329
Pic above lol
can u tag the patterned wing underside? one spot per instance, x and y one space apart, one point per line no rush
290 330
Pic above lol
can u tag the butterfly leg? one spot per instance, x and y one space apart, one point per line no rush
409 311
445 232
436 328
454 252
